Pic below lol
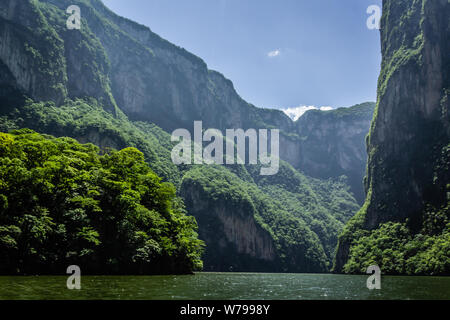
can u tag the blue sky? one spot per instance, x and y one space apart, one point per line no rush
278 53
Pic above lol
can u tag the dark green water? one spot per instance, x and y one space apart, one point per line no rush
225 286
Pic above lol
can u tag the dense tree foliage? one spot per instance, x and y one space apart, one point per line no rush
62 203
419 246
397 250
302 215
87 121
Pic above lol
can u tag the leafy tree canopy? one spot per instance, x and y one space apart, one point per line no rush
63 203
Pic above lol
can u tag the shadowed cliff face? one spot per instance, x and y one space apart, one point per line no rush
410 121
235 241
410 129
335 144
20 36
48 62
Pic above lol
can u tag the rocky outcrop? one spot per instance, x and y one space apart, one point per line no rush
410 129
32 54
48 62
235 242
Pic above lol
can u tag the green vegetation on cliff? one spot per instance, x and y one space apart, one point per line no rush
295 247
335 141
404 224
411 247
89 122
397 250
124 65
91 84
301 216
62 203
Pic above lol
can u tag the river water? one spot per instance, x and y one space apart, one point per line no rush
225 286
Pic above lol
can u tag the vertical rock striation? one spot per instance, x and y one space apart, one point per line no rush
407 171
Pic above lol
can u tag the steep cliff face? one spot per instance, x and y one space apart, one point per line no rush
334 144
407 173
122 72
149 79
285 223
173 88
235 241
412 115
32 53
48 62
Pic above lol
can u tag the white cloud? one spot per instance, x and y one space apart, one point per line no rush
274 53
296 112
